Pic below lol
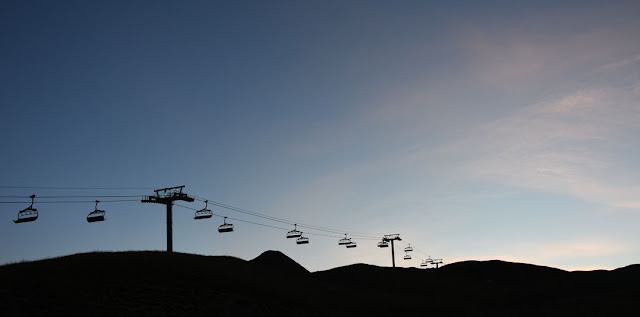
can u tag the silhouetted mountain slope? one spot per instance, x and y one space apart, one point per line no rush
163 284
277 261
149 283
502 271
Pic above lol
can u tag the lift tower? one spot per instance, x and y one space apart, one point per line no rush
391 238
167 196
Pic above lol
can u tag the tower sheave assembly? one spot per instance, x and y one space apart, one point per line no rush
167 196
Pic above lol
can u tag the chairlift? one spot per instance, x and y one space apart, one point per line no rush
96 215
302 240
226 227
407 256
408 248
344 241
294 233
383 244
351 245
426 262
203 213
27 214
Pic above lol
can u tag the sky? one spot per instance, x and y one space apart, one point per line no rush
477 131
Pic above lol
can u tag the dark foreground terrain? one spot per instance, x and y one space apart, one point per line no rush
162 284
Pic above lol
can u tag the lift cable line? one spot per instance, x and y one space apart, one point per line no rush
424 261
70 201
415 248
276 219
80 196
285 221
275 227
79 188
167 196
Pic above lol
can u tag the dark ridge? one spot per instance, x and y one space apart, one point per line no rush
496 270
276 260
633 269
167 284
148 283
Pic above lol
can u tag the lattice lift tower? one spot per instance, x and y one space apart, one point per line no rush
391 238
167 196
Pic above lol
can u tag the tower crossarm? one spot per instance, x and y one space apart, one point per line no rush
392 237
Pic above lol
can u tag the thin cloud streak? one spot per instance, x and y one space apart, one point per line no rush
559 146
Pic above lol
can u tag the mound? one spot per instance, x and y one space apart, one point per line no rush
276 260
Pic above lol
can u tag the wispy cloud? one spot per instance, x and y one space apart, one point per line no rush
555 48
621 63
569 145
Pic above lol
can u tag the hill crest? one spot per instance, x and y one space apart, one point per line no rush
277 260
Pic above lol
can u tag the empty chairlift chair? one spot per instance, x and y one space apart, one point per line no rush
226 227
203 213
383 244
408 248
302 240
27 214
407 256
344 241
294 233
96 215
351 245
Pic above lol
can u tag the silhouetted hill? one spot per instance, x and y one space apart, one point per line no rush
149 283
501 271
276 260
163 284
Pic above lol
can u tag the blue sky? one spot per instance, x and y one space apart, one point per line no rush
476 131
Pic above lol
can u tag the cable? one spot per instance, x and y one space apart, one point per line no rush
354 235
66 202
91 188
84 196
270 226
415 249
303 225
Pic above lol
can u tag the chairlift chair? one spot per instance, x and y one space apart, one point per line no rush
344 241
426 262
351 245
203 213
302 240
407 256
408 248
383 244
28 214
96 215
294 233
226 227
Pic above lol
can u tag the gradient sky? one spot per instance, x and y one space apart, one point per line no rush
488 130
